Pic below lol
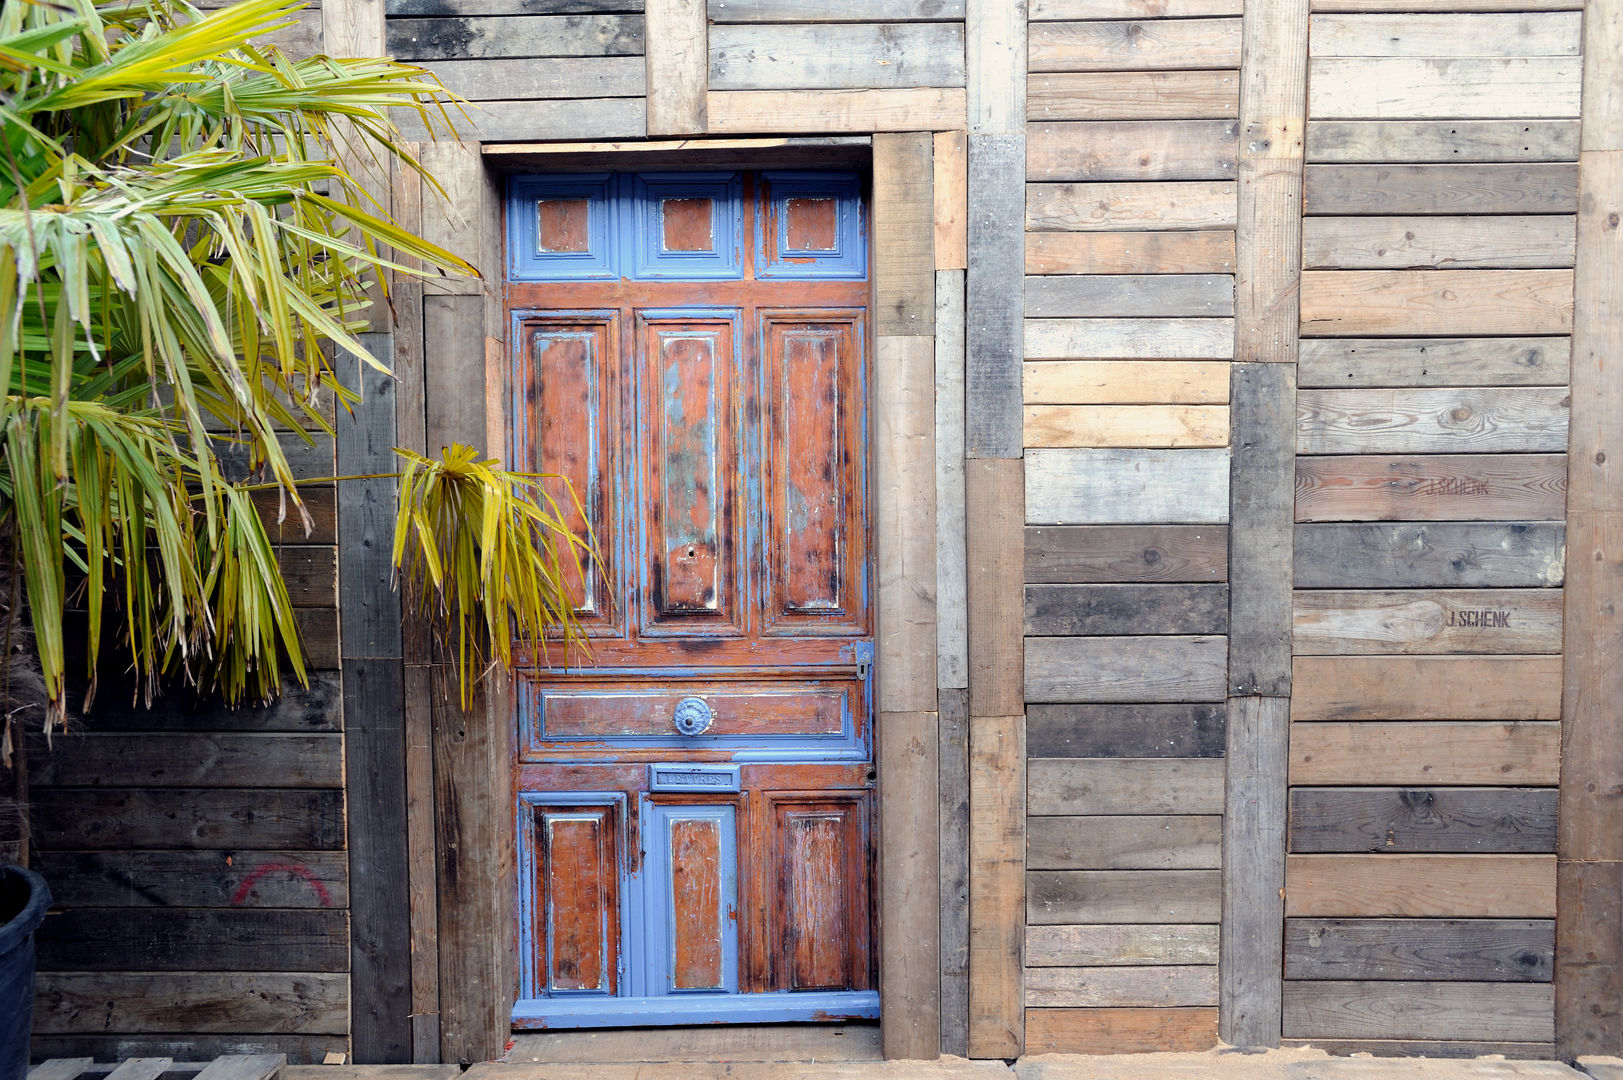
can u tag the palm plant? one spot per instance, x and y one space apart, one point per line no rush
183 250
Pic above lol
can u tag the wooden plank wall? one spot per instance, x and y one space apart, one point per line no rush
1131 167
1436 305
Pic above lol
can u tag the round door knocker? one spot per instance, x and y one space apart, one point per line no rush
692 716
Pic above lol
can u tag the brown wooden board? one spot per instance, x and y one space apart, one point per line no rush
904 237
1452 950
68 1003
1126 609
1134 150
1146 842
1126 425
1477 487
1134 95
1426 688
180 818
1451 886
1098 554
1121 946
1184 668
1441 189
1127 730
1126 382
1427 621
1410 555
1122 987
305 710
1075 787
285 525
909 809
493 36
997 883
194 939
1419 1010
1359 302
1353 362
1113 207
1142 296
196 879
1387 819
1206 252
1120 1031
992 535
196 761
1404 752
1150 45
677 55
1122 896
1437 242
1383 141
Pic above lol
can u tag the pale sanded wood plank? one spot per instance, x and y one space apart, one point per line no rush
996 258
1148 842
1126 382
1426 688
677 60
1111 487
1081 787
1207 252
1442 140
997 885
1435 35
1473 361
952 604
1424 1010
1374 752
1051 10
1129 339
1381 88
1141 295
1378 243
59 1068
1125 668
768 11
951 200
1454 886
1131 150
1458 487
903 235
1151 45
1354 302
243 1067
1334 622
995 61
1126 425
1450 6
811 112
904 522
1134 95
1119 987
1130 206
544 77
141 1068
1120 946
834 57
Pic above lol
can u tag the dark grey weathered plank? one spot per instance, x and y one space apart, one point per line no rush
1489 819
252 818
202 760
994 422
954 785
1126 553
1485 950
1126 609
1059 897
311 709
198 879
495 36
442 8
1441 189
1420 554
1253 872
1261 490
1352 362
1518 1012
190 939
1125 730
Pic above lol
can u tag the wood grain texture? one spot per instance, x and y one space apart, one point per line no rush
544 77
1352 302
1138 295
953 713
996 506
770 11
67 1003
1437 35
1126 553
952 588
495 36
904 244
908 756
1485 88
951 191
1126 425
1126 382
1151 45
1120 1031
1208 204
1459 487
1125 730
1427 621
1082 787
1452 950
997 884
1375 752
1374 141
1134 95
1120 946
1418 1010
1209 252
1406 6
197 1044
1488 820
1052 10
1426 688
1383 243
1126 668
497 121
303 710
1176 842
1352 362
188 819
996 259
1130 339
1121 987
1419 421
835 57
196 879
1260 536
677 56
1111 487
1066 897
904 525
812 112
1449 886
1131 150
1441 189
995 63
157 939
1126 609
202 760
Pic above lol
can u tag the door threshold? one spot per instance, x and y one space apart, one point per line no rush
708 1043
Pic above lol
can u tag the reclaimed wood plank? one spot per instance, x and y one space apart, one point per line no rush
1444 487
1121 487
1082 787
197 1044
1126 425
436 8
996 506
1207 252
903 235
66 1003
543 77
1427 621
1419 421
1373 752
953 710
1208 204
1150 842
1406 6
1426 688
1487 820
497 36
1134 95
141 1068
1053 10
996 259
1414 88
952 572
907 752
1418 141
1387 243
1126 553
1545 188
1103 669
1131 150
1126 609
680 58
997 882
1122 896
1121 987
1355 302
811 112
995 62
1130 45
500 121
1120 946
951 192
203 760
303 710
188 819
905 539
1516 1054
285 525
1451 950
244 1067
825 56
1522 33
1126 382
1262 400
1125 730
195 939
59 1068
1253 875
1419 1010
1136 295
1450 886
1132 339
768 11
202 879
1352 362
1120 1031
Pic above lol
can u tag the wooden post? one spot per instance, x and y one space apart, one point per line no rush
1273 111
678 67
1589 868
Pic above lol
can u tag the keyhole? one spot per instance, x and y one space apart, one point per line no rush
692 552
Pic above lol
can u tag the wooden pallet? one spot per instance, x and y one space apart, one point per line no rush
225 1067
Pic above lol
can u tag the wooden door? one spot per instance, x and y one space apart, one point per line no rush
695 798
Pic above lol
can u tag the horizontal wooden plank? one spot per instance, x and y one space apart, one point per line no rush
1448 243
1419 1010
1120 946
1120 1031
1450 886
1206 204
1419 421
1127 609
196 1044
1348 362
1082 787
1445 5
503 121
1125 487
196 879
1461 752
1121 987
494 36
192 939
1132 150
1431 1048
285 525
1487 820
1123 896
1520 33
1126 730
1520 554
183 818
310 572
1443 487
1426 688
1126 553
192 760
1441 140
1137 295
811 112
1052 10
318 637
67 1003
1441 189
311 709
543 77
1421 88
1126 382
1133 339
1147 842
1131 45
764 11
1355 302
1133 95
836 57
396 8
1209 252
1126 425
1453 950
1329 623
1126 668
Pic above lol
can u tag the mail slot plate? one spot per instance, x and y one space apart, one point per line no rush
680 776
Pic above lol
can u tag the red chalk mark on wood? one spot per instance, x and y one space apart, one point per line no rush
246 889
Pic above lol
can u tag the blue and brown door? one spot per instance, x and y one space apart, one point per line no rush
694 798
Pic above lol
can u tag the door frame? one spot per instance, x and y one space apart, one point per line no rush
463 894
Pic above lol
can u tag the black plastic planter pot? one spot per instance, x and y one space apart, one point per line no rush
23 900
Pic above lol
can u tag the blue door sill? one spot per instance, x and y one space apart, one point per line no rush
783 1007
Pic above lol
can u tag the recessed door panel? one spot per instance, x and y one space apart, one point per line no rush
693 873
571 854
822 850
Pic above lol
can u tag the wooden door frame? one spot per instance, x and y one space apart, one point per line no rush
463 888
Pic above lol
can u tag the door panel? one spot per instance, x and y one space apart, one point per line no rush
577 882
821 844
693 868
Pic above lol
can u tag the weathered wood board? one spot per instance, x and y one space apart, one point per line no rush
1395 243
1132 150
1438 554
1419 1010
1206 252
1126 425
832 112
1354 362
1441 752
1122 896
1132 339
1111 487
1135 295
1055 10
1450 886
1420 421
1133 730
1206 204
836 57
1126 609
1126 382
1080 787
1359 302
1126 668
543 77
166 760
1121 946
1126 553
1120 1031
1440 189
1134 95
1119 987
1347 688
196 879
495 36
1426 621
305 1003
156 939
189 818
1437 35
1379 141
1444 487
1150 842
794 11
1150 45
1489 820
1421 88
1451 950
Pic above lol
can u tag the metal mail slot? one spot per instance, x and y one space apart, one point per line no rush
683 777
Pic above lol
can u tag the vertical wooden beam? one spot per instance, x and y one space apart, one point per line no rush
951 200
953 710
995 65
678 56
993 319
1589 865
904 234
1273 117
